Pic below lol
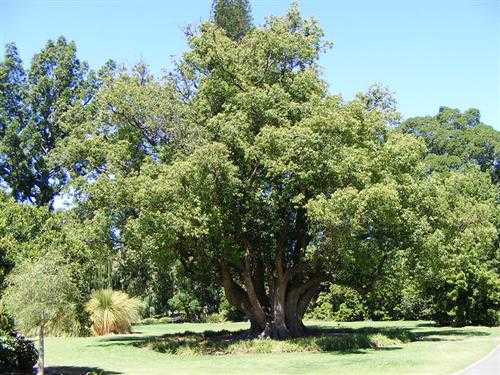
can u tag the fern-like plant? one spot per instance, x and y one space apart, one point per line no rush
112 311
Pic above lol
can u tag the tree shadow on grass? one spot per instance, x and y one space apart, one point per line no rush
449 335
122 340
76 370
427 325
318 339
454 332
245 342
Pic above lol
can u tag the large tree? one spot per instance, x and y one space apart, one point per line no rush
256 178
273 150
455 258
32 105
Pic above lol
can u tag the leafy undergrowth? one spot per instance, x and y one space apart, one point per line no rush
241 342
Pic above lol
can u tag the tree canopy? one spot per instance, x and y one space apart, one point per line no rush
32 104
456 140
240 170
233 16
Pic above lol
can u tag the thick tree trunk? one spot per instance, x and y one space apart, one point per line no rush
277 315
290 304
298 299
276 322
240 299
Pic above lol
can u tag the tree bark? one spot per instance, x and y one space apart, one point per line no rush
282 318
41 352
239 298
276 326
258 279
298 299
258 310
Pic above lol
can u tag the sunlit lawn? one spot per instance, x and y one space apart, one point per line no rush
438 350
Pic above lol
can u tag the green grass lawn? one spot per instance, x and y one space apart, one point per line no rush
437 350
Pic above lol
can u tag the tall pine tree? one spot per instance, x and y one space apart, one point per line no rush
234 16
31 106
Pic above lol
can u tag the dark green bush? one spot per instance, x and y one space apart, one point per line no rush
6 322
470 296
229 312
16 352
186 305
397 299
338 303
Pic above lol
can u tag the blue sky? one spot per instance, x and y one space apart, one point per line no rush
431 53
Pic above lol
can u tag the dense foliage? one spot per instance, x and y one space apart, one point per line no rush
40 295
32 105
239 171
233 16
458 242
17 353
456 140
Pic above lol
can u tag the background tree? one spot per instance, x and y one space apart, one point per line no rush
28 233
19 225
13 118
39 295
456 140
456 238
233 16
133 120
32 105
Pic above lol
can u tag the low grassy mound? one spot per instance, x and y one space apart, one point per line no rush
241 342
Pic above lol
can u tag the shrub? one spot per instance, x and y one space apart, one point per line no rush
147 307
469 296
112 312
349 311
338 303
186 305
16 352
229 312
322 308
215 318
224 342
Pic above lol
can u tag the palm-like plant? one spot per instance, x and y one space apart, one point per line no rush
112 311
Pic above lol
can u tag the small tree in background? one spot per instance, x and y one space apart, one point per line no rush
186 305
39 295
234 16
